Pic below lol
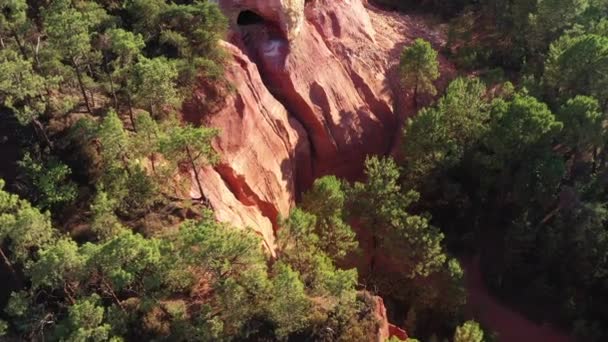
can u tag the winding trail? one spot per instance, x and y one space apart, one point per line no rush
510 325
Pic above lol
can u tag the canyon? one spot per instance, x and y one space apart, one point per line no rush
316 90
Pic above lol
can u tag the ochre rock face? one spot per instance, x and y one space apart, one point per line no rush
308 100
386 330
383 325
326 78
288 15
314 86
263 151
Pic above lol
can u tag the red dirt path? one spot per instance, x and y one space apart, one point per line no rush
510 325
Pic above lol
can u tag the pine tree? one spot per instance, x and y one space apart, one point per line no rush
382 206
192 146
418 68
326 201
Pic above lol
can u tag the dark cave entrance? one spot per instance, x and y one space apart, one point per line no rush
248 17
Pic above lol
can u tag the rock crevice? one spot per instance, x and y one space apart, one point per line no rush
314 87
305 104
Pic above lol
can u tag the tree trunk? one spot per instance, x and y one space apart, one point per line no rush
114 92
37 63
551 214
372 262
41 132
92 95
67 289
196 175
7 262
113 294
416 97
153 163
19 44
131 116
594 167
82 88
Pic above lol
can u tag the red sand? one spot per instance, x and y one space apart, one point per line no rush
510 325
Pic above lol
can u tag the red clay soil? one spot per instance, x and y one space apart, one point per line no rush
510 325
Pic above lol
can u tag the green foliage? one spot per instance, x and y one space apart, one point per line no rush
22 227
114 141
469 331
20 87
516 126
68 30
218 250
302 249
124 178
84 322
13 16
516 152
382 206
17 305
145 143
326 201
50 181
200 24
437 138
57 265
189 143
3 328
127 260
418 68
578 66
298 241
290 307
104 223
550 19
125 44
583 124
153 84
524 187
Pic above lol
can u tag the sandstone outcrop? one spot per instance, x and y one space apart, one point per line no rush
316 90
326 77
386 330
263 151
314 86
288 15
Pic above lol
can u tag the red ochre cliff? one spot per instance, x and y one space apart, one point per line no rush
314 90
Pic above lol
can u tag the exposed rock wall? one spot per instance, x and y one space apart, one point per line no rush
328 78
288 15
309 99
314 86
386 330
263 151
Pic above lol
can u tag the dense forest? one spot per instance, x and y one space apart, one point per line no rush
101 238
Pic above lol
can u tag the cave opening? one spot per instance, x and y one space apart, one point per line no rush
248 17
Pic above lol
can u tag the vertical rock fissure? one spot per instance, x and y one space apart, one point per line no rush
241 190
251 32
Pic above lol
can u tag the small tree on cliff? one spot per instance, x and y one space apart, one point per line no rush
190 145
418 68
